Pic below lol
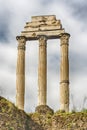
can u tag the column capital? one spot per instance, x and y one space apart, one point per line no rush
64 37
21 38
21 42
42 40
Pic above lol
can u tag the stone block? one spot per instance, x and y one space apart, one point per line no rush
43 23
42 28
50 34
43 18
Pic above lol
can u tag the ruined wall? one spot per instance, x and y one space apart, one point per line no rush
11 118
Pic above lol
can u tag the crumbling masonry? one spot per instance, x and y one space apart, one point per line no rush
42 28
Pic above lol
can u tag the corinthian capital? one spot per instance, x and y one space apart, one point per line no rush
21 42
64 39
42 40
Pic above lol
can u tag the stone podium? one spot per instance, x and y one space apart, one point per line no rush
42 28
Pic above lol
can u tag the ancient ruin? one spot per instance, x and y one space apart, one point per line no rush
42 28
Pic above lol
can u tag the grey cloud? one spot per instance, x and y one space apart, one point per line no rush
5 21
76 8
53 62
45 2
79 9
4 28
78 64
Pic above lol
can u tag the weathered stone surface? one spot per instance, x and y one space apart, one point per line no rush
43 18
34 24
44 109
20 73
64 73
42 28
50 34
11 118
42 71
43 25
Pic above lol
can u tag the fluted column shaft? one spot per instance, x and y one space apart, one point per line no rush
20 73
64 73
42 71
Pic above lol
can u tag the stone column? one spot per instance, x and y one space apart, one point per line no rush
64 73
20 72
42 71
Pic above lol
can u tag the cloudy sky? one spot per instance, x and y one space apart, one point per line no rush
73 15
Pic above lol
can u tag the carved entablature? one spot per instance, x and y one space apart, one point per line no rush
43 25
21 42
42 28
64 38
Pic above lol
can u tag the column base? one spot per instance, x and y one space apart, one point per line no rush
44 109
64 107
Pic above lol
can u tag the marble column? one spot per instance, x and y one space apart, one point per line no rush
20 72
42 71
64 73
